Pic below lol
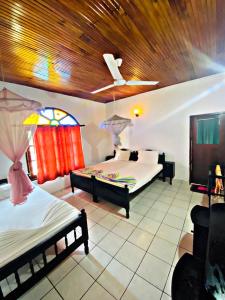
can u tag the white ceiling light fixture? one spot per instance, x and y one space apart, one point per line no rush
113 65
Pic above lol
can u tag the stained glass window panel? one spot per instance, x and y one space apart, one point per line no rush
48 113
56 117
68 121
43 121
59 114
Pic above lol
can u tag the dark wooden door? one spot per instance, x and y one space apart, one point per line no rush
203 152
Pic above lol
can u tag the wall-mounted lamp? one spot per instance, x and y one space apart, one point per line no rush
137 112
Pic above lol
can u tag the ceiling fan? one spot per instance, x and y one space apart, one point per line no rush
113 65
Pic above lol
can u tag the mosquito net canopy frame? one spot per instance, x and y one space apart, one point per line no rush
14 139
116 125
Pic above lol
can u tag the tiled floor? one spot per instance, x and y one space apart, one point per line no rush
129 259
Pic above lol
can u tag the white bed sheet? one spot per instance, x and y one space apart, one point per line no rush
24 226
143 173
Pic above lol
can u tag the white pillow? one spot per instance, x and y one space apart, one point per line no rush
122 155
148 157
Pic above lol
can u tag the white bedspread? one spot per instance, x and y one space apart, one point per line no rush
24 226
143 173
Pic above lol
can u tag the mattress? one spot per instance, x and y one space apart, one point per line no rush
24 226
142 172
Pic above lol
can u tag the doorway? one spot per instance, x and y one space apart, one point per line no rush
207 144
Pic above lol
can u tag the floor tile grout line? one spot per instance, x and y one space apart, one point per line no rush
125 240
175 252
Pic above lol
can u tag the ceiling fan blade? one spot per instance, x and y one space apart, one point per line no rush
113 67
139 82
104 88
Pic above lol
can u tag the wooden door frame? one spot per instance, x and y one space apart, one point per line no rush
191 122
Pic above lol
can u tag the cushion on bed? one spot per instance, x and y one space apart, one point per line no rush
122 155
148 157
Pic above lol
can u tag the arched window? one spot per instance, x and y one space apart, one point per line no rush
55 117
60 131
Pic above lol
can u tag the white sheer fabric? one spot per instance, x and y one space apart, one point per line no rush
14 139
116 125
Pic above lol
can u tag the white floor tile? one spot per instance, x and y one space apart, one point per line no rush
149 225
167 289
79 253
166 199
62 270
38 291
109 221
139 289
123 229
130 256
52 295
96 233
182 204
75 284
141 238
165 297
115 278
177 211
134 218
90 223
163 249
155 214
151 195
173 221
96 292
169 233
90 208
161 206
188 225
111 243
140 209
146 202
97 214
95 262
154 271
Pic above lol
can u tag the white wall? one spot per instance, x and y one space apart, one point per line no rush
96 142
164 124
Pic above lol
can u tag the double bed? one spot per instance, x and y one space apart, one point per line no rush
29 231
134 176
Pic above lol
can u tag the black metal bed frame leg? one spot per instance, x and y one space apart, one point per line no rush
71 182
94 196
128 213
85 231
127 207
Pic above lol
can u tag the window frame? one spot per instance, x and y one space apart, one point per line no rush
29 159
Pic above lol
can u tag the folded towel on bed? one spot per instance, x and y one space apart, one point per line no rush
113 178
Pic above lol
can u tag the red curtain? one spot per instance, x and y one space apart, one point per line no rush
58 150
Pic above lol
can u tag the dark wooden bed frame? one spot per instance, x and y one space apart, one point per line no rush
115 194
12 268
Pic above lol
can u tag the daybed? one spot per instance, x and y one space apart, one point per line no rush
29 231
143 172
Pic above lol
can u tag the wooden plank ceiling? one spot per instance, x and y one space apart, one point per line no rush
57 45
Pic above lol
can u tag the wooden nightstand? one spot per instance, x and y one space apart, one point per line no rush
169 170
